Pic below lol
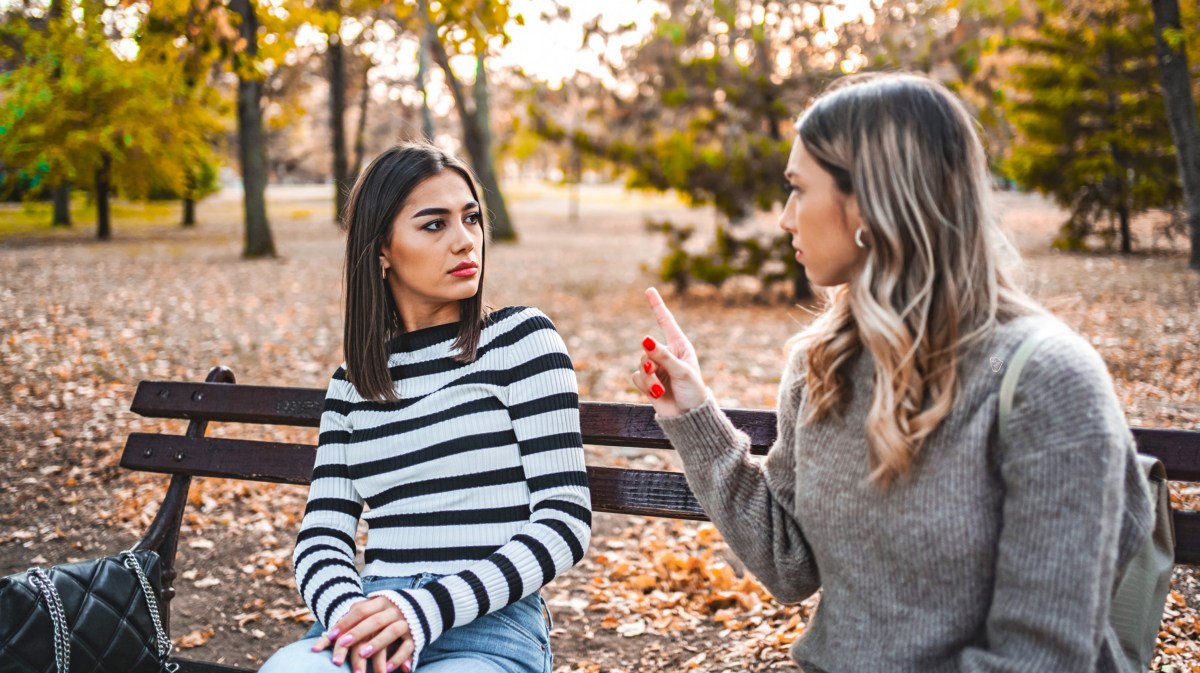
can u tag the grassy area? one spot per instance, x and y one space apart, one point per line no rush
33 218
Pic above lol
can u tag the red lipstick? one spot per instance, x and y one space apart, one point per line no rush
465 270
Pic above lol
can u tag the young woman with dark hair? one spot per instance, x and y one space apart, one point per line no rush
940 542
457 427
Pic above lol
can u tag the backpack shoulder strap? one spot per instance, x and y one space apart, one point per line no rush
1012 372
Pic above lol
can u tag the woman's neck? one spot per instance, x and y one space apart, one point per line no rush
429 315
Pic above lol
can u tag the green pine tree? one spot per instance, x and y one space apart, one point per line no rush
1091 128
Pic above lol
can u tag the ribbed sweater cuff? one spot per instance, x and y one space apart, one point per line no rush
410 616
704 432
342 610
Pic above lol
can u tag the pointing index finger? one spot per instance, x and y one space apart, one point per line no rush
663 315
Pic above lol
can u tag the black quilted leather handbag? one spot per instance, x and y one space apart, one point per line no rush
97 616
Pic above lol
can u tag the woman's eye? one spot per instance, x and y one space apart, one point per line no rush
474 218
433 225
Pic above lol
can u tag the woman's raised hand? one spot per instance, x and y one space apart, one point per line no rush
373 630
669 373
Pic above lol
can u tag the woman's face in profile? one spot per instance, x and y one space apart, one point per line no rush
435 255
822 221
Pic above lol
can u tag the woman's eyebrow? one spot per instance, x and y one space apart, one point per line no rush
442 211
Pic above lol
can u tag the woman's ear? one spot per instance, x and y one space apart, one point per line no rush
852 214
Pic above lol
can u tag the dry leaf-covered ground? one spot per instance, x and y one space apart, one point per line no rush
82 322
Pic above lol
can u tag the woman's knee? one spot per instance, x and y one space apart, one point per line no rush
462 664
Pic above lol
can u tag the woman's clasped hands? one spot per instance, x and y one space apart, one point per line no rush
373 630
670 372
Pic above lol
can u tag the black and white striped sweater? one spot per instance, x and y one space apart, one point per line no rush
476 473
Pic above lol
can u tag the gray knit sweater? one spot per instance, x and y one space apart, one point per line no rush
989 556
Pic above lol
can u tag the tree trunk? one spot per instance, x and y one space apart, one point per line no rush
258 241
103 185
189 204
763 63
1181 114
479 145
476 134
574 182
360 137
189 212
1126 237
62 204
335 62
62 193
422 68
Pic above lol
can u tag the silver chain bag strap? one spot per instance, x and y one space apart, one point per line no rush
97 616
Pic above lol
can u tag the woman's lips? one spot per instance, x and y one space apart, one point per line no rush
465 270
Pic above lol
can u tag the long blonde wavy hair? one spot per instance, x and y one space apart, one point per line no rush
934 280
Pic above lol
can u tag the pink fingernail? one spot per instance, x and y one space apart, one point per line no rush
391 666
346 639
366 651
332 634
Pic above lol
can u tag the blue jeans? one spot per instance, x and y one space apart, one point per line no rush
513 640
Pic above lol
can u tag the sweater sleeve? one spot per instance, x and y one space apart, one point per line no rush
750 503
1063 461
324 556
543 403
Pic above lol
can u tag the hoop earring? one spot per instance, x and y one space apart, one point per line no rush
858 237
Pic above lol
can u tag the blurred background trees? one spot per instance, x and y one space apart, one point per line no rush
1091 102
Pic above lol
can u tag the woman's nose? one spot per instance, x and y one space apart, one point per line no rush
463 240
786 218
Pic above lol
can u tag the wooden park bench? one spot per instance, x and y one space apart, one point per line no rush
615 490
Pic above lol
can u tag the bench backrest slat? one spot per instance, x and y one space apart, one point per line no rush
602 423
228 402
642 492
1187 537
247 459
1179 451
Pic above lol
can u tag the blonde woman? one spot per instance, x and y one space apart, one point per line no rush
937 545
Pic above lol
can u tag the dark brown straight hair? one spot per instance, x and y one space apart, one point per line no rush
372 319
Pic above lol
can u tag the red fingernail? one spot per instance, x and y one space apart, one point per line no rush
656 391
648 344
646 365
